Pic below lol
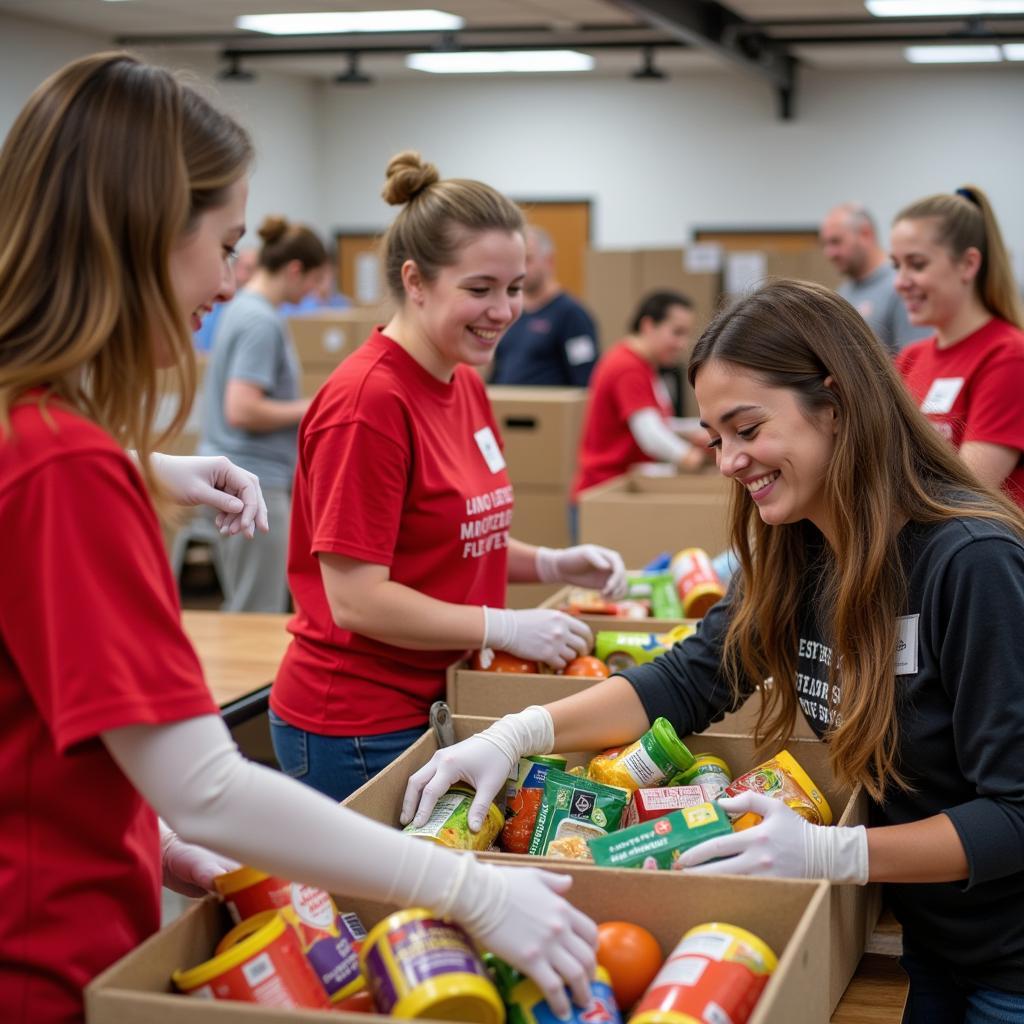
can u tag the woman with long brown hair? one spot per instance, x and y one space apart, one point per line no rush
122 196
953 273
881 587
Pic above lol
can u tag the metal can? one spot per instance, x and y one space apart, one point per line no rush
715 974
266 967
697 582
420 966
527 1005
708 771
448 823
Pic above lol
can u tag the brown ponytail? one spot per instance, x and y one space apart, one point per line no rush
284 242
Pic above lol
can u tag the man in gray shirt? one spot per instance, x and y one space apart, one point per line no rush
850 241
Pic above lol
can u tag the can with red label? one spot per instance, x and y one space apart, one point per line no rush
697 582
716 973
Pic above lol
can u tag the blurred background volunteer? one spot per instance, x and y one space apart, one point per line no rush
849 239
400 542
251 405
554 342
628 408
954 274
323 295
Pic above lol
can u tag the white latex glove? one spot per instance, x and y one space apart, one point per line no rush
519 914
189 869
541 634
783 845
586 565
486 761
215 481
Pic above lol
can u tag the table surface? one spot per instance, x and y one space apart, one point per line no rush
240 654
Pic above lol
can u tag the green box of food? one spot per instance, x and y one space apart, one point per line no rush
658 844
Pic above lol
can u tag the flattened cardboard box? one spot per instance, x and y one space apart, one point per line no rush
853 909
792 917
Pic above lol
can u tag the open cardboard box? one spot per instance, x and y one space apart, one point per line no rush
792 917
853 909
602 623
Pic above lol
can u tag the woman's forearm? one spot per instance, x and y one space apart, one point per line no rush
921 851
522 562
604 715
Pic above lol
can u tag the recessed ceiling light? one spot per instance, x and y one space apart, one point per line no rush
487 62
953 54
940 8
339 22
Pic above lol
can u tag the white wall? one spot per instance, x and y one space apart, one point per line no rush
661 158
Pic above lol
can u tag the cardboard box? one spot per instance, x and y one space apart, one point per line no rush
541 431
599 623
853 909
792 917
324 339
541 516
529 595
642 518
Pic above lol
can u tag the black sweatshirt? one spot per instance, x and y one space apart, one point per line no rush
960 688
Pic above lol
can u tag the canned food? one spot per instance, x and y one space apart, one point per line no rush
419 966
266 967
783 778
330 940
448 823
620 651
715 974
526 1003
698 584
708 771
522 800
649 761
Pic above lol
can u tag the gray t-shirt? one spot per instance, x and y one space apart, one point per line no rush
251 344
876 300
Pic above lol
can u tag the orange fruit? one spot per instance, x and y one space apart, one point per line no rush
359 1002
589 666
504 662
631 956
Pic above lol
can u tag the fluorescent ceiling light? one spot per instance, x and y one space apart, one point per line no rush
350 21
949 8
488 62
953 54
1013 51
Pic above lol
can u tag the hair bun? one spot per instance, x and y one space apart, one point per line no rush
407 176
273 229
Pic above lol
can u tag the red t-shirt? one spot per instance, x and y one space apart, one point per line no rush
973 390
622 383
90 640
400 469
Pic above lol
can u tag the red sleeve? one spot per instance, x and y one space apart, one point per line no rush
994 411
632 390
88 609
357 484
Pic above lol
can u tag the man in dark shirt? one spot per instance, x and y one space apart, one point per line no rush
554 342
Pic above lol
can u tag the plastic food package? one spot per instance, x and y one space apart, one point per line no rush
783 778
572 811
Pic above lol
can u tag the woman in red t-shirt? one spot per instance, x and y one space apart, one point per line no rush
629 405
122 197
954 274
401 543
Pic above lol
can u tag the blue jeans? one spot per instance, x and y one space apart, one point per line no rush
937 997
336 765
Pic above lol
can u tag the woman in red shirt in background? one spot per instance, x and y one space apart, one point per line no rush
122 197
954 274
400 546
629 405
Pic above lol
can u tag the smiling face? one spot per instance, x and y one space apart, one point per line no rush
764 438
463 313
201 262
934 286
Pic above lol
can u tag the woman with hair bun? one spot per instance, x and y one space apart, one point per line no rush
122 198
251 405
954 274
400 544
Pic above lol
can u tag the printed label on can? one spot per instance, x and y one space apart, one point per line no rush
350 926
258 969
714 945
714 1014
642 767
425 953
314 906
681 970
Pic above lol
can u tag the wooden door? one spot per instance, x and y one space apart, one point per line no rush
568 224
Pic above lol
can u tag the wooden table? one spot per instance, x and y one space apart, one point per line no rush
239 653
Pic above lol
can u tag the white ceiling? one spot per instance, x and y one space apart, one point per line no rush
149 18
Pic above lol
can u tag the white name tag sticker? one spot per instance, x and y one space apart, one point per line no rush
488 445
580 350
942 394
906 645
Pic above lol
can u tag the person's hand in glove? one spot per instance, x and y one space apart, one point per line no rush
586 565
782 845
215 481
485 761
540 634
189 869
